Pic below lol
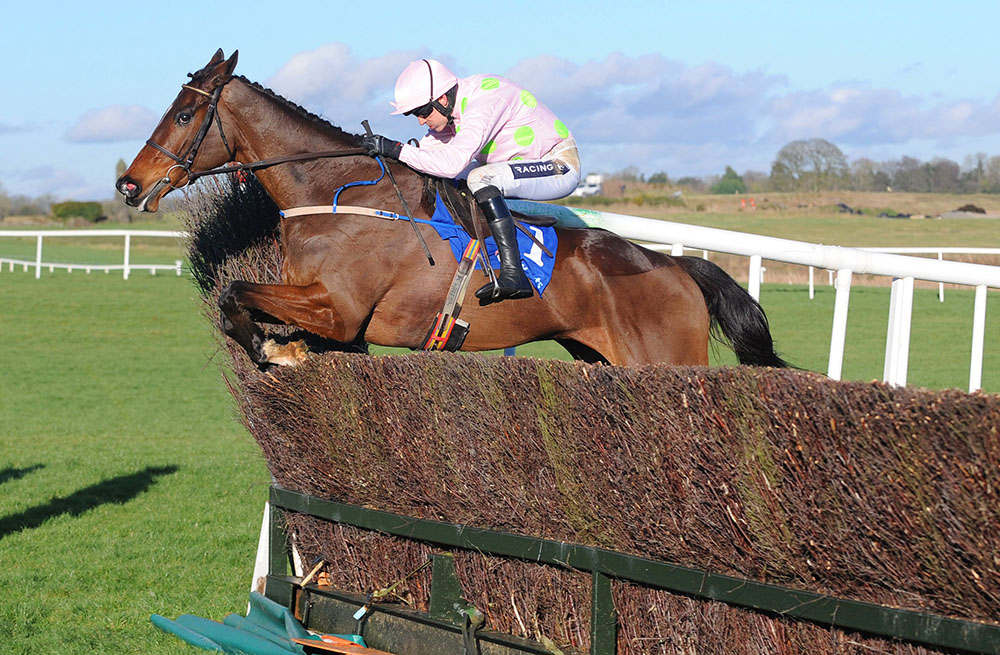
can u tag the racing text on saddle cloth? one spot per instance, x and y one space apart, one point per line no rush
536 264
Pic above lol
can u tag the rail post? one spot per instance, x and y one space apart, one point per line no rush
753 281
978 335
128 247
839 335
38 258
603 618
940 284
897 336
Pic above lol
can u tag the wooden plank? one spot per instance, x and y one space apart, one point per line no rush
334 644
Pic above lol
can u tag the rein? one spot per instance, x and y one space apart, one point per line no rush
185 161
232 167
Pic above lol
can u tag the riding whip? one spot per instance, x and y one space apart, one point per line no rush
402 200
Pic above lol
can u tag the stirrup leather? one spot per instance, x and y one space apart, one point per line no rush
448 332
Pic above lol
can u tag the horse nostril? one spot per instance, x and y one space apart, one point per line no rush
128 188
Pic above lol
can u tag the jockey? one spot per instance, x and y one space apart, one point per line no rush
496 135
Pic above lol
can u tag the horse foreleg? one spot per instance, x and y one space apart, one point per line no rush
239 326
307 307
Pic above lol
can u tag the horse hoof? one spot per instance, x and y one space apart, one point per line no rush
289 354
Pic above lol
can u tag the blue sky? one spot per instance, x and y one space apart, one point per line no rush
681 86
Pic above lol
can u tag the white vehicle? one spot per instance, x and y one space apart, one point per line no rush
589 186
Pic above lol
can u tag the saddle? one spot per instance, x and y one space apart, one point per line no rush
463 208
448 332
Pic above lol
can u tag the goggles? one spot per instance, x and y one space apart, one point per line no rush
422 112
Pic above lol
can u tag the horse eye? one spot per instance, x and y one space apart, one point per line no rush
184 117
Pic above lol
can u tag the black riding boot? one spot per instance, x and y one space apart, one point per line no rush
511 282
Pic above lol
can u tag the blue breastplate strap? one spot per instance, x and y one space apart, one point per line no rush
336 194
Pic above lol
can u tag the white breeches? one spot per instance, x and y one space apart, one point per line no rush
553 176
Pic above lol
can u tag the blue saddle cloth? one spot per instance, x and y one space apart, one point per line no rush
536 264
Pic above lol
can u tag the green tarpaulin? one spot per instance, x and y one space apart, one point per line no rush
267 629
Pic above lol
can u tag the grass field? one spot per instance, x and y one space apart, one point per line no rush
129 488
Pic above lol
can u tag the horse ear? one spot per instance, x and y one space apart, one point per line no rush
219 71
231 64
216 58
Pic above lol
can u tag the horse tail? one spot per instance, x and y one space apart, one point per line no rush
734 313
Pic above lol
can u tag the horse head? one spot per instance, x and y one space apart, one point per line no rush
190 131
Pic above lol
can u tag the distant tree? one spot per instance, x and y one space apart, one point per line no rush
809 165
730 183
693 183
863 175
630 174
943 176
90 211
5 205
22 205
991 178
974 172
757 181
909 174
120 168
659 178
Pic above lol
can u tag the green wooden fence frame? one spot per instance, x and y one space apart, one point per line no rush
606 565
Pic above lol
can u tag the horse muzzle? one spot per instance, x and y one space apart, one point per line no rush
134 197
130 189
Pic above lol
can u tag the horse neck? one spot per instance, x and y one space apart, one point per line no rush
268 128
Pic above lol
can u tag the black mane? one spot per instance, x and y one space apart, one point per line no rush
355 139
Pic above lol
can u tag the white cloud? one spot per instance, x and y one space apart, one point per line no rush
114 123
869 118
332 82
649 99
649 111
39 180
661 114
13 129
331 75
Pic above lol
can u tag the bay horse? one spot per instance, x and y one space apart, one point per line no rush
352 278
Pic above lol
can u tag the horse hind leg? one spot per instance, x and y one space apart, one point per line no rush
582 352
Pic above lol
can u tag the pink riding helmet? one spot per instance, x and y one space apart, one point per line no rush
423 81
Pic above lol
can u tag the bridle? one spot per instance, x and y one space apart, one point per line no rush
185 161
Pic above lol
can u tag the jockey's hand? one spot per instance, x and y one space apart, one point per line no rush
376 144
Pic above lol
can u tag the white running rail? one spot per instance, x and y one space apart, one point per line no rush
845 261
126 267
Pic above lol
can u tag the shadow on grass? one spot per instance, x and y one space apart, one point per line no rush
117 490
11 473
